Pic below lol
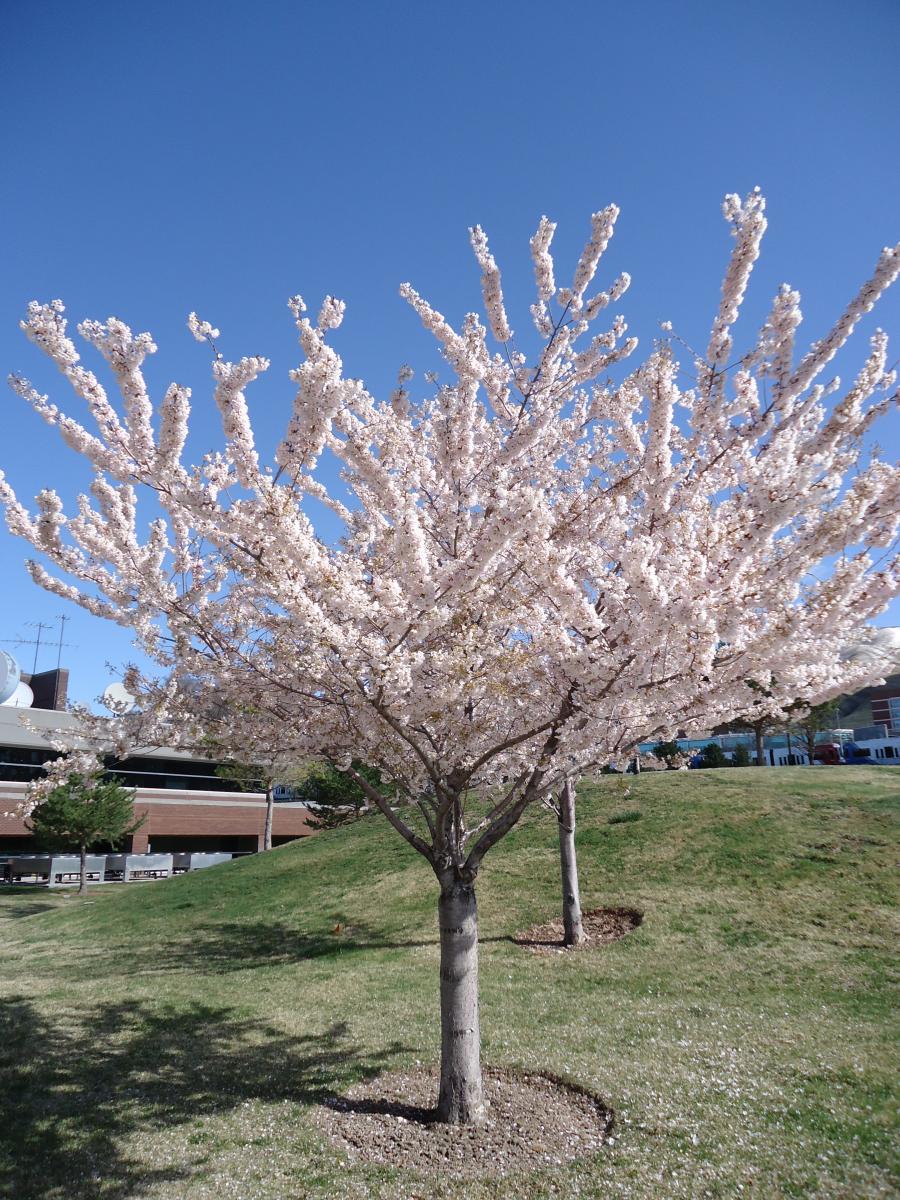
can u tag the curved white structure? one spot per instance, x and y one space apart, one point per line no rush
10 675
118 699
22 697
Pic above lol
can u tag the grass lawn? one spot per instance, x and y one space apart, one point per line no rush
167 1040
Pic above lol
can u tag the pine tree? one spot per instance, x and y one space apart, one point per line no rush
741 756
333 796
81 812
712 755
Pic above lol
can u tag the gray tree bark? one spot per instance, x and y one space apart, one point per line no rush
270 804
573 930
811 745
461 1096
760 747
82 886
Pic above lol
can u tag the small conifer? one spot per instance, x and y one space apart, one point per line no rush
81 812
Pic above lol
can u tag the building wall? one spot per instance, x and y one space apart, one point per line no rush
190 814
189 804
886 709
867 707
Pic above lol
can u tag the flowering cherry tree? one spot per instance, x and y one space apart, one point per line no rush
545 560
258 759
563 807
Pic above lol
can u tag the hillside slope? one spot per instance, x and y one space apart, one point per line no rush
167 1040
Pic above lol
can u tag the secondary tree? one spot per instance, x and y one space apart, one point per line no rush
765 715
254 752
254 776
80 812
562 805
334 798
548 555
814 720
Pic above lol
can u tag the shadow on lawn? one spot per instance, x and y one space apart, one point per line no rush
30 909
244 946
74 1089
25 900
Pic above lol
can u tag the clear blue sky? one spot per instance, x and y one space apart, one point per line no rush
166 157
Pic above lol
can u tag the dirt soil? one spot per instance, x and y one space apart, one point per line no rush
601 926
533 1122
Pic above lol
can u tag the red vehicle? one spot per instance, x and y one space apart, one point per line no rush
828 753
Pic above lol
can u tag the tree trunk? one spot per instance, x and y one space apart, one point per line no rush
573 931
82 887
267 828
461 1099
811 745
760 747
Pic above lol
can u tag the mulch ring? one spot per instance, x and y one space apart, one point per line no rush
601 926
532 1122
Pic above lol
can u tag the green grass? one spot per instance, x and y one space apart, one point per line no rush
168 1040
621 818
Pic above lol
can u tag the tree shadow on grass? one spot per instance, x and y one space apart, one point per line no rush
242 946
227 947
31 908
24 900
74 1089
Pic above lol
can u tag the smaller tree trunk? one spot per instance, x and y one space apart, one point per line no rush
82 886
760 746
811 745
573 930
461 1097
270 805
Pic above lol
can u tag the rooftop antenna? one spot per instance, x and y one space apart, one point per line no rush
41 627
59 645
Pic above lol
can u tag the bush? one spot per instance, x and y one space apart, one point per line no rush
666 750
741 756
333 796
671 754
713 755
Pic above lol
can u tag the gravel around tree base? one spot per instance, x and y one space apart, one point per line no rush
533 1122
601 926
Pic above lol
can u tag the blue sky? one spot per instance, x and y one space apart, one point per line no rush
221 157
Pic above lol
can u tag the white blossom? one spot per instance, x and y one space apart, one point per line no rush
202 330
331 314
545 560
490 285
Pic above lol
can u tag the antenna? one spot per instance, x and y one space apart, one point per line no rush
59 645
41 627
36 642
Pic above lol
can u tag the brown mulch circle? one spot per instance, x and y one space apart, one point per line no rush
533 1121
601 926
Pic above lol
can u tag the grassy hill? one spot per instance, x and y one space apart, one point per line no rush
168 1040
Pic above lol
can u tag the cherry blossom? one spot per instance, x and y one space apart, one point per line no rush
558 553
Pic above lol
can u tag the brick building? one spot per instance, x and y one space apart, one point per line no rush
186 805
874 706
885 703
